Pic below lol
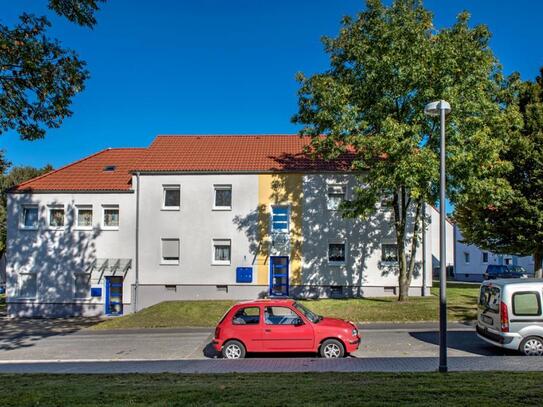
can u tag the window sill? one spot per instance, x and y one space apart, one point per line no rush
165 263
225 263
28 228
336 263
170 208
221 208
110 228
56 228
84 229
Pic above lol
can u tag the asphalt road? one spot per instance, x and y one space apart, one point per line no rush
68 347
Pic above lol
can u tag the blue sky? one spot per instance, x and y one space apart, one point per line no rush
215 66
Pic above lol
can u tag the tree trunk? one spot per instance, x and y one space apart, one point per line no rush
414 242
399 223
538 269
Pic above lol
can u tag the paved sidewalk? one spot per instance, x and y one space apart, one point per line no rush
456 364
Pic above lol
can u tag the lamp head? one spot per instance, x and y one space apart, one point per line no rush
435 108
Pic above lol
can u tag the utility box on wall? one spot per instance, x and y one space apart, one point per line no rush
244 275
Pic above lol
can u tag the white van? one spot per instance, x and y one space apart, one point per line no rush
509 314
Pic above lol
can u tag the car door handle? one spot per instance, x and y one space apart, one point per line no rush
267 330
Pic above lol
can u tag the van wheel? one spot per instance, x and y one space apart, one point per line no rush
532 346
233 350
331 349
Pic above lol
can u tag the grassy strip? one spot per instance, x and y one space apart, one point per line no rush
330 389
462 304
2 303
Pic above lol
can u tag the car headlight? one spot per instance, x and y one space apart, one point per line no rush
355 332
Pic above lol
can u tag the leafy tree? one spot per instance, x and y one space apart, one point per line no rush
513 223
9 179
38 77
385 65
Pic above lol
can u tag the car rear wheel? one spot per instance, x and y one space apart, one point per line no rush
233 350
532 346
331 349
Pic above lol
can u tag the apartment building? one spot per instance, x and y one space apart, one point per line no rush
196 217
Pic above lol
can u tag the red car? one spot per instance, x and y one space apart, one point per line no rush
282 326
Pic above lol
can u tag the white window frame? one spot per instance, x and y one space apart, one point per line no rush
337 263
217 242
79 207
53 207
328 201
110 206
167 262
222 187
88 275
20 277
21 217
287 231
467 257
483 257
170 187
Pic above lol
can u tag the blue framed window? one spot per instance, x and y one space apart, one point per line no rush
280 219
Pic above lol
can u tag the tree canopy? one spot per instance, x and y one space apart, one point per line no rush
38 76
513 223
385 65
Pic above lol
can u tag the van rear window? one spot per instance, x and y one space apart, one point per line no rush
490 298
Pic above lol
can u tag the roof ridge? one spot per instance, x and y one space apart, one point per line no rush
59 169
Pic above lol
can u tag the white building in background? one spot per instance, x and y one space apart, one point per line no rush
471 262
199 217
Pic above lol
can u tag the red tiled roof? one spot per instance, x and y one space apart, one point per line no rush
88 174
235 153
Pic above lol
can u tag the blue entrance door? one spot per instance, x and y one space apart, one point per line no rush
278 276
114 295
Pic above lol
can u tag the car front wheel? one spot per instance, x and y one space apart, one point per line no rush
532 346
331 349
233 350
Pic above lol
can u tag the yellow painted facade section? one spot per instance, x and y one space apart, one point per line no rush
280 189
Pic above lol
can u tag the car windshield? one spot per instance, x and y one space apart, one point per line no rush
490 298
307 313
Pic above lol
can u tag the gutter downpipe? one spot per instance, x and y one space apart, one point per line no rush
137 265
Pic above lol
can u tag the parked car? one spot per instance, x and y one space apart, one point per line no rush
494 271
509 315
282 325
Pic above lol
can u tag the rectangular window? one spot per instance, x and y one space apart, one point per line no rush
223 197
485 257
170 251
56 217
222 251
84 216
28 285
336 195
110 219
82 285
466 257
29 217
526 304
389 252
247 316
507 262
336 252
172 197
280 219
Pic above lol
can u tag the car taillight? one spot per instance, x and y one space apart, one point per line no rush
217 332
504 317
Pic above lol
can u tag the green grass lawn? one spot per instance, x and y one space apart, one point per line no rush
2 303
300 389
462 301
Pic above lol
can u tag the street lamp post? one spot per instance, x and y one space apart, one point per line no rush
441 108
